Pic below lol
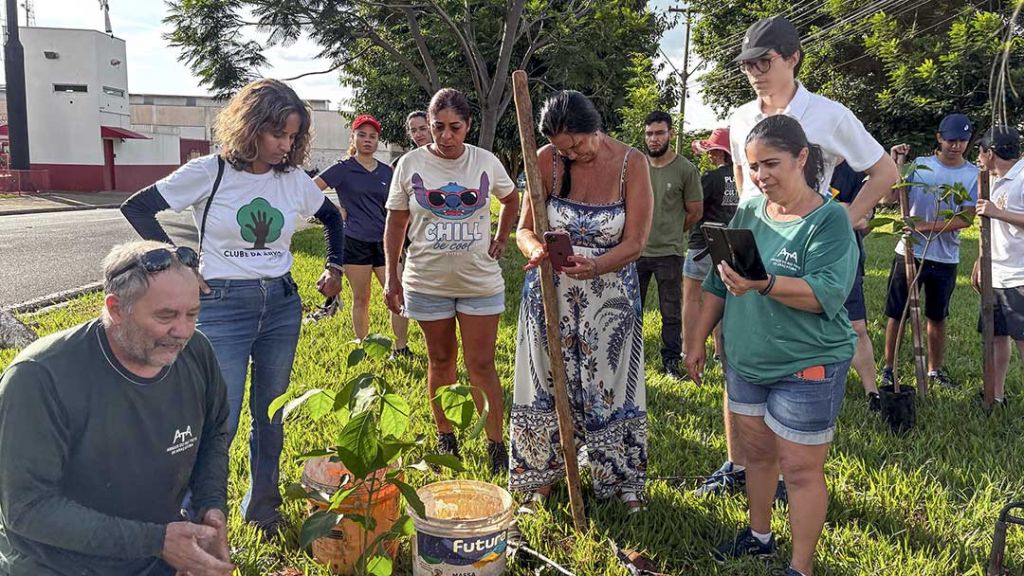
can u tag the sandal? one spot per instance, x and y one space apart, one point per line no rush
633 502
534 501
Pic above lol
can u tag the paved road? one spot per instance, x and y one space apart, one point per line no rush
41 254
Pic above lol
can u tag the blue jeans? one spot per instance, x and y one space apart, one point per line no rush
796 408
257 319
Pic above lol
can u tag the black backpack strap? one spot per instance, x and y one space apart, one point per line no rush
209 201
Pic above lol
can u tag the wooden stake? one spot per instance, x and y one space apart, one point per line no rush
914 300
566 430
987 299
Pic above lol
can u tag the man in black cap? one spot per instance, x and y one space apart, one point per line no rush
770 58
999 153
941 238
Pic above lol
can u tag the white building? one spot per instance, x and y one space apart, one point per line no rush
90 134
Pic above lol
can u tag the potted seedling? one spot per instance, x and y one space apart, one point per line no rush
353 486
897 400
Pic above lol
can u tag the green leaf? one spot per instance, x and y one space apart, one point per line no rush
364 398
356 356
947 214
444 460
320 405
967 217
394 415
358 444
290 405
457 403
379 566
338 497
411 497
377 346
367 522
404 526
346 396
318 525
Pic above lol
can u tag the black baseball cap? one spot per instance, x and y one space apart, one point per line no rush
1003 140
774 33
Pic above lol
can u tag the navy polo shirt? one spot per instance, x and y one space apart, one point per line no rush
363 193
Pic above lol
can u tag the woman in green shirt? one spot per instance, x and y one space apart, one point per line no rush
788 341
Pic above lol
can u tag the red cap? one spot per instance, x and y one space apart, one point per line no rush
365 119
719 140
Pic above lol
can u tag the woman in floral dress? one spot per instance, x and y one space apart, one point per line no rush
598 190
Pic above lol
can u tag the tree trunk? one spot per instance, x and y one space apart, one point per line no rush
488 126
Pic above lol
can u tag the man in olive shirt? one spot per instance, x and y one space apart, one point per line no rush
678 205
106 429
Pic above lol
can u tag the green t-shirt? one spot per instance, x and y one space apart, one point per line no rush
673 186
95 461
766 340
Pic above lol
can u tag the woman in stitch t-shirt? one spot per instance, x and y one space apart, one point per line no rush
442 193
245 202
362 184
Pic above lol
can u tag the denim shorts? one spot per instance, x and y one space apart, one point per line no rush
427 307
795 409
696 269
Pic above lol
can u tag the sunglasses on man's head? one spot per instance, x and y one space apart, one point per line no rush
160 259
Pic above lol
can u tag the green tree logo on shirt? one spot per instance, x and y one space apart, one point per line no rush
260 223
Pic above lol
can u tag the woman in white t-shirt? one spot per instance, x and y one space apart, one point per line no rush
246 202
441 193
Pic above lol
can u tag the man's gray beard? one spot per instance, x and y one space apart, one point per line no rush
657 153
131 340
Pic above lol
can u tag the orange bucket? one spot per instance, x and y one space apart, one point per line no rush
341 549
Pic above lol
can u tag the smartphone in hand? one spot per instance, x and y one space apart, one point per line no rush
559 248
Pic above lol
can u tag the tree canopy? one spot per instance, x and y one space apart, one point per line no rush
900 65
397 53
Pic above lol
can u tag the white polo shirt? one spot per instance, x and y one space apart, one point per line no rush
1007 239
827 123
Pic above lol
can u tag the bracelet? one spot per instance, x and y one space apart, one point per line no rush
338 267
768 288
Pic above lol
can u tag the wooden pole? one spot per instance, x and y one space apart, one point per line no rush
566 430
914 300
987 299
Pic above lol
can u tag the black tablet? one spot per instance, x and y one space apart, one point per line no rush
737 247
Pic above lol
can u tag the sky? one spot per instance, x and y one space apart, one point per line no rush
153 66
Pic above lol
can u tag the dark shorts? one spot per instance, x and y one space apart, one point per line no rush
362 253
1008 313
938 280
856 309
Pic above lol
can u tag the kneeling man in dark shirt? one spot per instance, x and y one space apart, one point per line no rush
109 429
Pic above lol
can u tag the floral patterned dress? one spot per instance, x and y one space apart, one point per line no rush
602 344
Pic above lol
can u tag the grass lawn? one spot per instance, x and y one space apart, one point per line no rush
921 504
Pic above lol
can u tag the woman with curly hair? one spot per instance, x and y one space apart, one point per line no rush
245 202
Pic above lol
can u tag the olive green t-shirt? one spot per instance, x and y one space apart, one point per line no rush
673 186
766 340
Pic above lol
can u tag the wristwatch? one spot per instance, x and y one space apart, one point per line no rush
333 266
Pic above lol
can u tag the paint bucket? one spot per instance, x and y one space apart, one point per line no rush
341 549
465 529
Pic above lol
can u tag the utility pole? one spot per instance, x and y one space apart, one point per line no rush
17 113
685 75
105 6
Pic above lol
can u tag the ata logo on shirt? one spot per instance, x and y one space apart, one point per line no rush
787 260
183 440
259 223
